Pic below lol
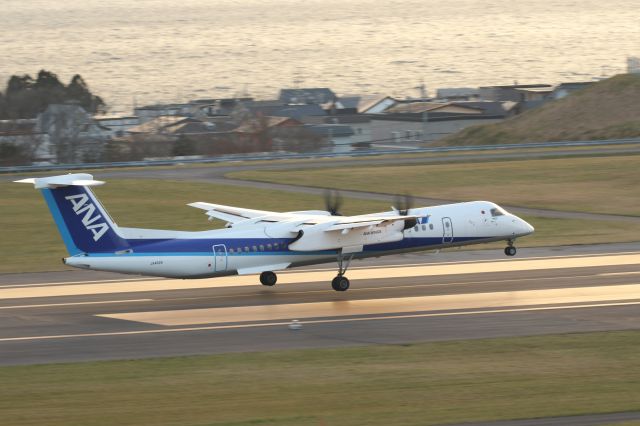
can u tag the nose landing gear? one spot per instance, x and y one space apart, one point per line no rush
510 250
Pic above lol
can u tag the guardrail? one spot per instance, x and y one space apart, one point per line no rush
273 156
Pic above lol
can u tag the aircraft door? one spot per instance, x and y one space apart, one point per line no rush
220 257
447 230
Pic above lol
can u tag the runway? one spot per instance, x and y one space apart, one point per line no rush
67 317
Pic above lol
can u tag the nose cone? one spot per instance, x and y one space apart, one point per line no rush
525 227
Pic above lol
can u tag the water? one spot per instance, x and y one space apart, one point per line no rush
147 51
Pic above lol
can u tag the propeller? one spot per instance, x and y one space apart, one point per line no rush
402 204
333 202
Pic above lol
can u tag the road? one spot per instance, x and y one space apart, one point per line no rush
69 316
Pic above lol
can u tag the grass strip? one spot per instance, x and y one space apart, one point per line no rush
421 384
587 184
30 240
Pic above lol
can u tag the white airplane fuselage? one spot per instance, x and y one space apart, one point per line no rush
252 249
257 241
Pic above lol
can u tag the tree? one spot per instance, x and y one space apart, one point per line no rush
79 91
13 155
26 98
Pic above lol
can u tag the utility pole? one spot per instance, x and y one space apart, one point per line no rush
425 119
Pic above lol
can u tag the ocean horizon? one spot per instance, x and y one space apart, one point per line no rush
156 51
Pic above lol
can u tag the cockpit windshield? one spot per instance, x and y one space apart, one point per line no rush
497 211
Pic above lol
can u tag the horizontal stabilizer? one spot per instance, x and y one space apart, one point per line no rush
73 179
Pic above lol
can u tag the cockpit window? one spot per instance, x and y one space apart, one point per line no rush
496 212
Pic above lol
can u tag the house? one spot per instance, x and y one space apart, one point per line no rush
149 112
306 96
340 136
263 133
217 107
563 89
32 146
430 121
633 65
458 94
75 135
366 104
160 125
513 93
116 126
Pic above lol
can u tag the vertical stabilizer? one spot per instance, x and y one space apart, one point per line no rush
85 226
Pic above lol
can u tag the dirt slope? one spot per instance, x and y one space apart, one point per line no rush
609 109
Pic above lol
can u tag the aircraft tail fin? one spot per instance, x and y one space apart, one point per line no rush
85 226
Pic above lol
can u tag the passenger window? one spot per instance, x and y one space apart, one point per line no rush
246 249
261 247
254 248
431 226
415 228
269 247
230 250
424 227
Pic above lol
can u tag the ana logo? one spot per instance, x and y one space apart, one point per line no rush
82 206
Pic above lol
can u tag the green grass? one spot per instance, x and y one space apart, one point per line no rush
422 384
592 184
30 241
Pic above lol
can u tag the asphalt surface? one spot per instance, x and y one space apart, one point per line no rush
81 316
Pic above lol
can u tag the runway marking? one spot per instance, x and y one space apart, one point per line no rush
105 302
343 308
319 321
619 273
365 289
75 282
511 265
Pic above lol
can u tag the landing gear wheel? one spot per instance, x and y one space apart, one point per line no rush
268 278
510 251
340 283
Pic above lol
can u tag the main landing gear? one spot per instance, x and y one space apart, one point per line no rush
510 250
340 282
268 278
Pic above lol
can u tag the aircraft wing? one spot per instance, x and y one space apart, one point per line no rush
352 222
232 214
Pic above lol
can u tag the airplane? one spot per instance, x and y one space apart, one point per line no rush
261 242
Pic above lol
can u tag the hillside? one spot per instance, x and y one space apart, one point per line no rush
609 109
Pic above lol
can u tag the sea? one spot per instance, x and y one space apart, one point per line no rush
159 51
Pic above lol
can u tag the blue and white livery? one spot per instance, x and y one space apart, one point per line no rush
260 242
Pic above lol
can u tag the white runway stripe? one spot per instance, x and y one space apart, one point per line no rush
296 277
47 305
343 308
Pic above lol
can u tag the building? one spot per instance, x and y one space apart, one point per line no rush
564 89
116 126
339 136
458 94
412 122
513 93
32 146
73 133
633 65
306 96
